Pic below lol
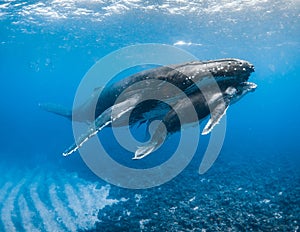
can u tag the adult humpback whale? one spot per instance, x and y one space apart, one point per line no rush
210 86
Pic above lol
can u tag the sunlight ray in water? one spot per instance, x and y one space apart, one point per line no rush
4 190
62 212
47 215
74 203
26 215
50 202
8 207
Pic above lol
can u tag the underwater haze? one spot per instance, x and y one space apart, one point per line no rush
47 47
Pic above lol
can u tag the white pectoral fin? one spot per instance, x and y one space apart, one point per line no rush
217 113
144 151
158 137
102 121
107 117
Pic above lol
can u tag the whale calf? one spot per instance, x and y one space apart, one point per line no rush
210 87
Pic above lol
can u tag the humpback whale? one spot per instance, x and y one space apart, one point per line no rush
196 80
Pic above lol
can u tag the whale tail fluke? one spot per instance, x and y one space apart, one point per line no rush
56 109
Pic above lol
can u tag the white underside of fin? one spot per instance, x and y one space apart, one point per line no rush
218 112
107 117
144 151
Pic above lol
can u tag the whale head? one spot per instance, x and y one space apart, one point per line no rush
232 69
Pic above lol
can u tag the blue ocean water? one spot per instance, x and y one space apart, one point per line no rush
47 47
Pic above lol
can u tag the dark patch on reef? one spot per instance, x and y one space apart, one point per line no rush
235 195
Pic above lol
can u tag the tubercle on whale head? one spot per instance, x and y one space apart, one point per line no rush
233 68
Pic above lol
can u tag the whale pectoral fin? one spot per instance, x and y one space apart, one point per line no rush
107 117
102 121
158 136
218 111
144 151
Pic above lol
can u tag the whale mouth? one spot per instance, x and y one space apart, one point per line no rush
243 88
250 86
